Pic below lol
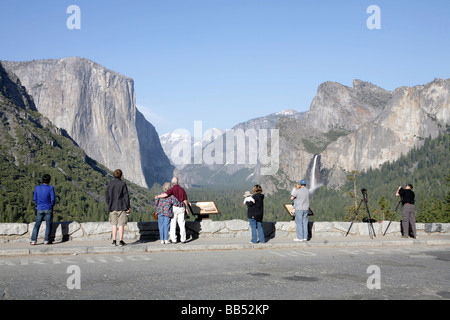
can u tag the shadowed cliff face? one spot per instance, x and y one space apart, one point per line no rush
155 164
96 107
12 89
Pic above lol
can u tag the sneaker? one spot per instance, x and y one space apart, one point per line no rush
121 243
162 242
166 242
113 243
33 243
48 242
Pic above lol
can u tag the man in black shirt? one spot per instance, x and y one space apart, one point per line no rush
118 202
408 216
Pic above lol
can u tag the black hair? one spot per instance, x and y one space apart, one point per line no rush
46 178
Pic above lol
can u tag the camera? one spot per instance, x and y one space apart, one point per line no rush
364 193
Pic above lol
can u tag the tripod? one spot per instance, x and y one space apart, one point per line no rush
392 218
369 220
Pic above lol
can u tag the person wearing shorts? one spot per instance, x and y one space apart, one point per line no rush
118 202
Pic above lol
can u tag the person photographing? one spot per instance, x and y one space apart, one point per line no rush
408 215
300 196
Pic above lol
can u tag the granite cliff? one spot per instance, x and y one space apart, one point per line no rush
97 108
30 146
338 107
357 129
411 115
345 129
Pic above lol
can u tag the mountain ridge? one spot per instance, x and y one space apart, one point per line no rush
96 106
338 126
31 145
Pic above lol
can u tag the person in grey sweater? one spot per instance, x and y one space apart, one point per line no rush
301 205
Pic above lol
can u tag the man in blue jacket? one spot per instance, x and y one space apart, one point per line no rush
44 197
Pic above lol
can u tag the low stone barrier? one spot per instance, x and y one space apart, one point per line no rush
74 231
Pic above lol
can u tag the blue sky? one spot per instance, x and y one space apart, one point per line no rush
228 61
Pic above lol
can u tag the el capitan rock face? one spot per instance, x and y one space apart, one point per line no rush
97 108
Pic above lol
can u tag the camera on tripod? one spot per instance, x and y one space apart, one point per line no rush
367 219
364 193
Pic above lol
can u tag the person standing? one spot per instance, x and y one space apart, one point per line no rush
119 208
179 210
408 215
164 209
300 197
44 197
255 214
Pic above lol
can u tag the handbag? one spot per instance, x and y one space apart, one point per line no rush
155 215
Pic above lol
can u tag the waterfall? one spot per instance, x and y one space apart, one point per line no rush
315 183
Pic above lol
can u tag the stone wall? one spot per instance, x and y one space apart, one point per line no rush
73 231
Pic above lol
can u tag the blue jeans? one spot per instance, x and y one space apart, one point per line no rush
40 215
163 225
256 225
301 224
